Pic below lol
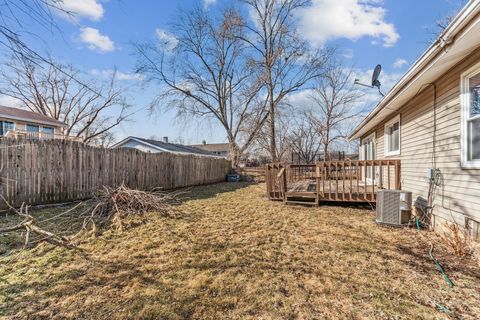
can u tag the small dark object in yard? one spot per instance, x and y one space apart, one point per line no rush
233 177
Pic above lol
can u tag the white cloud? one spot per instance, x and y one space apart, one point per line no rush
167 40
90 9
352 19
348 53
95 40
8 101
370 96
207 3
120 76
399 63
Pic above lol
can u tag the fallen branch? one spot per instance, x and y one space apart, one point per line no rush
30 226
110 206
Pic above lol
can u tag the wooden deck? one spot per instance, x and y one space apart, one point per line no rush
344 181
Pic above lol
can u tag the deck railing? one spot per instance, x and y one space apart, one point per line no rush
333 180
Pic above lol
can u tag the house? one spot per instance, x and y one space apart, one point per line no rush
219 149
430 121
19 123
155 146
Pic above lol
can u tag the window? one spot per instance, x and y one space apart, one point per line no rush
33 128
470 90
32 131
6 126
392 137
48 130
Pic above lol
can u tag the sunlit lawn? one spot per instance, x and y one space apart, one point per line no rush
235 255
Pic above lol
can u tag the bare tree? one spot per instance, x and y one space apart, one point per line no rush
333 110
286 62
305 141
207 73
285 121
90 111
440 24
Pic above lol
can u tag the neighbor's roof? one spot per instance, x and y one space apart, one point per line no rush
213 147
168 147
29 116
459 39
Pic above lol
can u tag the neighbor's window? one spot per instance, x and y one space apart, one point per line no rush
471 118
392 137
32 128
6 126
48 130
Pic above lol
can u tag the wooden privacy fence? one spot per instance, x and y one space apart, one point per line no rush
50 171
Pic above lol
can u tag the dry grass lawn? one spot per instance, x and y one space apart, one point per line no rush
235 255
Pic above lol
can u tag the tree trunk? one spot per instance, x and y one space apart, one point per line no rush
235 154
273 142
325 152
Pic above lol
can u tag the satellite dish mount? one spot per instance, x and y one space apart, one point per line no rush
375 82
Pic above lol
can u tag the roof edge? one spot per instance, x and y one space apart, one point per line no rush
446 37
141 140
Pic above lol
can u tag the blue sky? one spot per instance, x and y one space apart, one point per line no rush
390 32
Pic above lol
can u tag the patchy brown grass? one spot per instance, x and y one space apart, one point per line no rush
235 255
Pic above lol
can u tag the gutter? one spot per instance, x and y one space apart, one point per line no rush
446 38
54 122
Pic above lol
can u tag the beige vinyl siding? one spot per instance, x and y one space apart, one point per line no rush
459 197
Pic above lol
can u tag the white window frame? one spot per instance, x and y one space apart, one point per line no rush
3 126
465 106
372 136
386 140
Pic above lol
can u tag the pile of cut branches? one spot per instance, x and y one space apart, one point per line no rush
115 204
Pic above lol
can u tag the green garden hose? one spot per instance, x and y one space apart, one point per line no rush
442 308
440 268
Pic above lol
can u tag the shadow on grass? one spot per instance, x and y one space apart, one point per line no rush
51 218
210 190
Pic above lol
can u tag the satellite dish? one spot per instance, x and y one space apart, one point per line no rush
376 73
375 82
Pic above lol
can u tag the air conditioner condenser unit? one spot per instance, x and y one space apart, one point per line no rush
394 207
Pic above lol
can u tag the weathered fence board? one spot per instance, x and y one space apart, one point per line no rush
49 171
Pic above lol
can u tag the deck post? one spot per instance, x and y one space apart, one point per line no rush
388 173
373 181
317 184
398 185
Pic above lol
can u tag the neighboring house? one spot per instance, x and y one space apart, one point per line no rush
219 149
430 120
19 123
154 146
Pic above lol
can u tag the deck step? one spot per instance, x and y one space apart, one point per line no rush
301 202
300 194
